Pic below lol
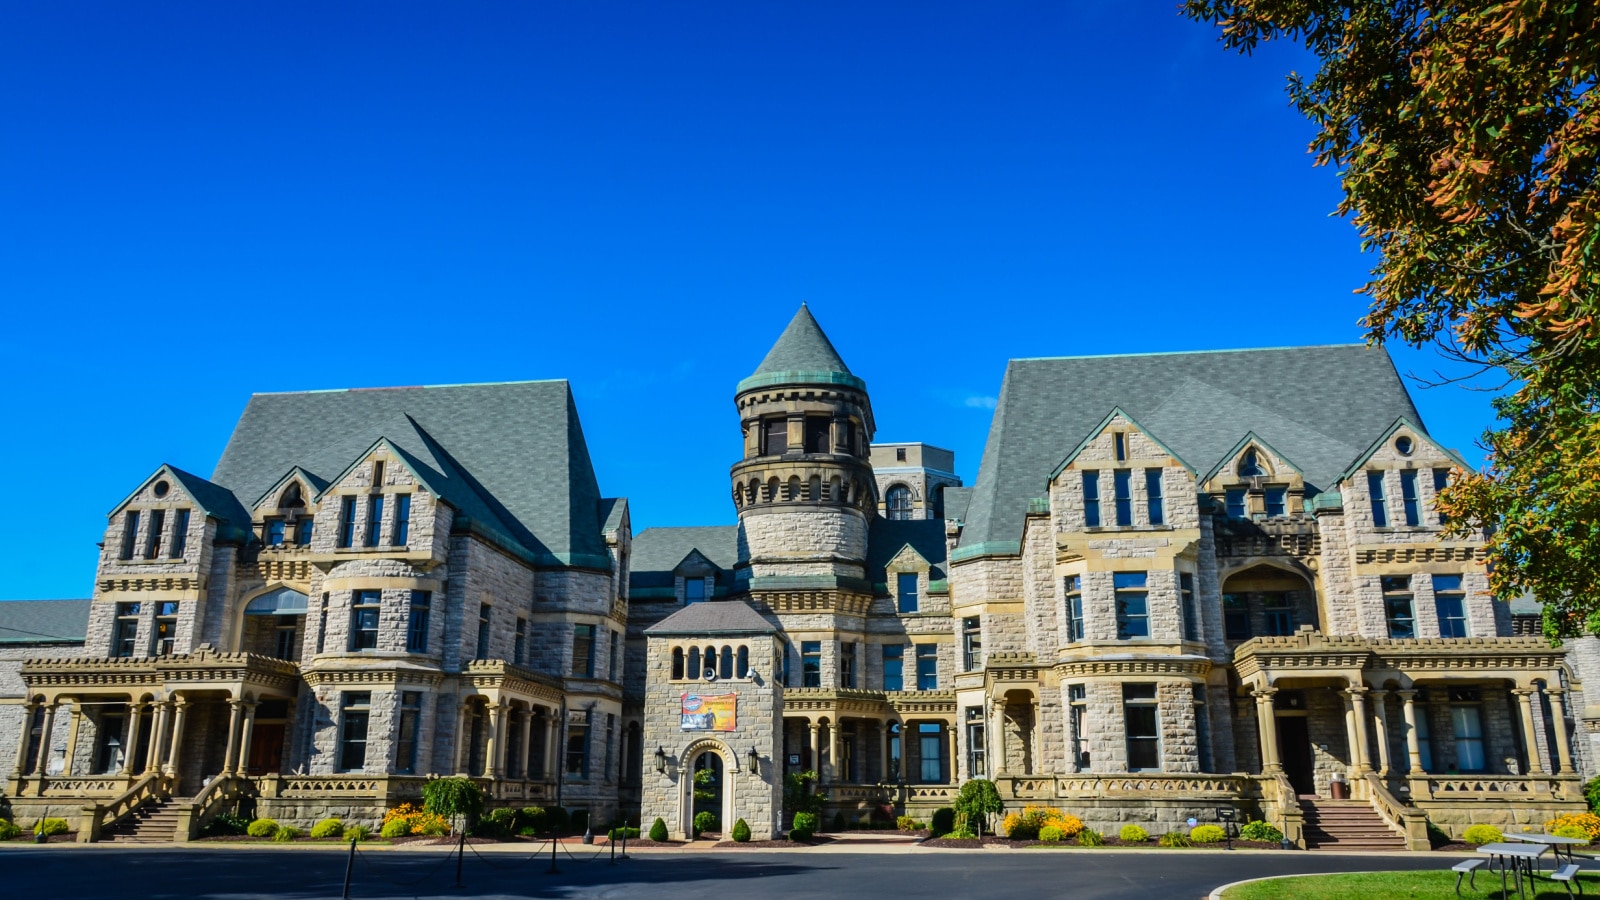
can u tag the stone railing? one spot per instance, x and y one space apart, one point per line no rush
1147 786
88 787
1495 787
1408 821
96 816
218 792
317 787
1280 804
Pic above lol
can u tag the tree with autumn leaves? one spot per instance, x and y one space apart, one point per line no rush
1466 137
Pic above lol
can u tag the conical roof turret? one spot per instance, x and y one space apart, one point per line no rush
802 355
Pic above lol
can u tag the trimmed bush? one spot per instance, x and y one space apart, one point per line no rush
533 817
1482 834
943 822
9 831
328 828
704 821
395 828
1208 834
1091 838
905 823
741 832
285 834
50 827
1175 839
262 828
805 825
1258 830
358 833
617 834
435 827
558 819
961 834
1133 834
1050 834
658 830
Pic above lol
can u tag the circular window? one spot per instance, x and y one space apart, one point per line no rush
161 488
1404 445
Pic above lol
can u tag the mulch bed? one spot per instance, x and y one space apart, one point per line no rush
1074 845
816 841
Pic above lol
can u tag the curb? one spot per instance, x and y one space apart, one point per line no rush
1216 893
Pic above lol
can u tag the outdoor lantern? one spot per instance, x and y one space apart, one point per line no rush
661 760
755 762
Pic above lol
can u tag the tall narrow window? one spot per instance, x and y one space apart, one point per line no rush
819 434
1153 498
1424 730
377 474
1441 480
485 612
1122 485
1451 603
927 667
1202 727
302 530
165 639
152 538
405 747
977 766
1074 589
725 664
694 664
1466 720
402 521
130 533
1234 499
971 643
286 646
931 743
272 532
897 503
774 436
1380 507
374 519
520 644
1133 606
583 651
180 534
1236 617
1078 701
894 656
127 629
417 622
694 590
364 611
1119 445
322 624
355 707
1397 606
1091 499
1277 507
811 664
1191 613
741 664
1143 734
1408 496
1279 614
906 583
677 663
847 664
578 745
347 521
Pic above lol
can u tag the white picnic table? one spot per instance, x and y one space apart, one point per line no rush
1555 842
1516 855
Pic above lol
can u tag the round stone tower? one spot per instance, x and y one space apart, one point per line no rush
804 489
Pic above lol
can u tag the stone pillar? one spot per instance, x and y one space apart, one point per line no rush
1035 732
495 745
1267 722
833 750
158 729
1408 707
1380 711
1558 713
249 728
816 747
230 759
550 748
524 764
1358 710
955 753
463 743
46 730
21 767
886 776
1529 739
175 751
131 745
998 751
76 722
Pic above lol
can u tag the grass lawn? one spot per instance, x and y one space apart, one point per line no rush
1408 885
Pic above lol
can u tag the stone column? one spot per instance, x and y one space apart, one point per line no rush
816 747
175 751
243 768
230 759
131 745
1358 709
1558 713
550 749
884 774
524 764
833 750
1529 739
1380 711
463 743
158 728
1408 709
1267 723
72 739
21 767
45 733
495 745
1035 732
955 753
998 749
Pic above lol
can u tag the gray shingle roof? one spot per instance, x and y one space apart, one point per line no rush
886 538
510 457
713 617
802 348
1319 406
43 621
657 552
956 500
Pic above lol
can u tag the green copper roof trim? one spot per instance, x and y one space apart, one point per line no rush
1038 505
938 586
987 548
796 377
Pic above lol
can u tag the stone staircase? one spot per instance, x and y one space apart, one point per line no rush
152 823
1346 825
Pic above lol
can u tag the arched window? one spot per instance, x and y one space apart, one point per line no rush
711 661
835 490
1250 466
677 662
291 499
792 492
898 502
815 492
727 662
694 663
772 489
743 668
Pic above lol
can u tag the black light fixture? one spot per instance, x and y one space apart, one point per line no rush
755 761
661 760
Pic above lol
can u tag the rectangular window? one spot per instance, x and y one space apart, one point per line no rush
1236 617
1191 613
286 647
1078 698
347 521
127 629
578 746
1091 499
977 766
1279 614
811 664
1441 480
1153 498
847 664
130 532
819 434
1408 496
931 741
1202 727
1424 732
374 519
1380 509
1277 507
1451 604
152 538
417 623
272 532
927 667
377 473
694 590
520 645
1074 590
165 639
364 609
583 651
402 521
302 530
180 534
894 656
1234 498
405 748
971 643
1133 606
1397 606
1122 488
906 583
1141 727
355 707
774 437
1467 722
485 613
1119 443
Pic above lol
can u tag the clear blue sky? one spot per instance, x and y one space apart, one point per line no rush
205 200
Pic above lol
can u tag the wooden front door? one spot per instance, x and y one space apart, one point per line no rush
266 749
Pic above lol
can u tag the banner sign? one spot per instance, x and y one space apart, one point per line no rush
709 712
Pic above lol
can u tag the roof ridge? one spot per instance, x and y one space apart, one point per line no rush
410 387
1185 352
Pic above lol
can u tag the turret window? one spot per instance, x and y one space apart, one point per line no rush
417 623
811 664
819 434
364 609
1074 590
898 503
774 436
847 664
583 651
1133 605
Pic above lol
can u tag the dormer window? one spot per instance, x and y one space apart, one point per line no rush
302 531
272 532
1235 503
1277 508
694 590
1250 465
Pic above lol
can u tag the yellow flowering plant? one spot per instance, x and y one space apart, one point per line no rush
1588 822
417 820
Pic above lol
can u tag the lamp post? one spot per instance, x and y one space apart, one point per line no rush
755 761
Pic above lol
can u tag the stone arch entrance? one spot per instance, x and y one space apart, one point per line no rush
1266 600
715 790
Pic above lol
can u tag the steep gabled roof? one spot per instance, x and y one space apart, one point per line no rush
1250 437
713 617
213 499
657 553
1380 440
43 621
887 537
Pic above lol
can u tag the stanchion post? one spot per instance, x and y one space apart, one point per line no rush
349 864
553 870
624 838
461 848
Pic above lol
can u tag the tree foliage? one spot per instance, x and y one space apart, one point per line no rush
1466 136
453 798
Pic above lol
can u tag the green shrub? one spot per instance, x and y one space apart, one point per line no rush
436 828
533 817
805 825
1133 834
741 832
1050 834
617 834
1258 830
50 827
262 828
978 800
704 821
905 823
285 834
1482 834
838 823
358 833
1572 831
9 831
225 824
558 819
961 834
1091 838
327 828
943 822
1591 792
1208 834
453 797
658 830
1175 839
395 828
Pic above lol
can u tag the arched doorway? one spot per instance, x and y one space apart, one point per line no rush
707 787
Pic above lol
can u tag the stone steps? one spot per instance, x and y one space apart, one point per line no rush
1346 825
152 823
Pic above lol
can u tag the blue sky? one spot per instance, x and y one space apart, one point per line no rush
206 200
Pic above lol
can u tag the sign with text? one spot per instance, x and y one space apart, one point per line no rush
708 712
